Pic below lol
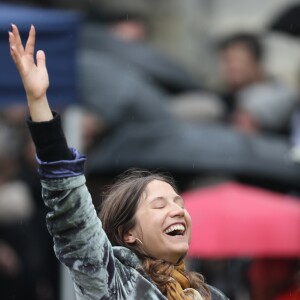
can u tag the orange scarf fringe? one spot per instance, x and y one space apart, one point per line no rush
178 288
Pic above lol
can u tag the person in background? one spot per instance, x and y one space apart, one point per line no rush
124 80
255 101
274 279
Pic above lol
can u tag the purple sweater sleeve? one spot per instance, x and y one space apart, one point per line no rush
55 159
62 168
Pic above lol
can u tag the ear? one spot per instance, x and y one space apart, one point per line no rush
129 237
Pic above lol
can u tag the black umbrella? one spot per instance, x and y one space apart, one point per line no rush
190 149
287 21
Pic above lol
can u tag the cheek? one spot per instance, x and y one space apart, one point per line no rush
146 223
150 226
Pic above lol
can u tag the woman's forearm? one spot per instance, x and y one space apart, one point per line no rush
39 109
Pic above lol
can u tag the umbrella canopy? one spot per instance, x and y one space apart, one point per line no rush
195 149
233 220
287 21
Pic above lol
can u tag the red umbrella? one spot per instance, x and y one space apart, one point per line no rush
234 220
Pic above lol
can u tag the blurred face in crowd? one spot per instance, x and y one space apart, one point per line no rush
130 30
162 223
239 67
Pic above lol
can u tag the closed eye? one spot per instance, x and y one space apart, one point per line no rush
158 203
158 207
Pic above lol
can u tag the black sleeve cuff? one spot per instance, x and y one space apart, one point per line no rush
49 139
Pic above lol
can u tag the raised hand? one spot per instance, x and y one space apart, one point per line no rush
34 75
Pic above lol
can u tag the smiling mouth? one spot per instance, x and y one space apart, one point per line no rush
175 230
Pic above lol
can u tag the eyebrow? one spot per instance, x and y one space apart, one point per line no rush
163 198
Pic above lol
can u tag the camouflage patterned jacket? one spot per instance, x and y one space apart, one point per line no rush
99 271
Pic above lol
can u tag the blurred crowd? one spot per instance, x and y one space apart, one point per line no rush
147 71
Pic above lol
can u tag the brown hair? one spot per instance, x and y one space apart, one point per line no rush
118 217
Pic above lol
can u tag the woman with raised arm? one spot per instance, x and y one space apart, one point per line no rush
137 249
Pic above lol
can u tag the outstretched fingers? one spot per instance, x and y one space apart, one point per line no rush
41 59
14 52
17 39
23 58
29 49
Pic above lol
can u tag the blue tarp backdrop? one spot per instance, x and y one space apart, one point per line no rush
57 35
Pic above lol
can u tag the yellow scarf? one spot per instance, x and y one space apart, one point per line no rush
178 288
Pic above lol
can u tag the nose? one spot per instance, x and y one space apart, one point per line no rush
176 211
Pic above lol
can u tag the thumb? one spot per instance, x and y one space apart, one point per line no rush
41 59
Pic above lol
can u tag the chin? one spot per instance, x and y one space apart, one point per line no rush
181 253
175 255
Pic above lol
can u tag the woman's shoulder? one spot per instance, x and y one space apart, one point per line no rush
216 294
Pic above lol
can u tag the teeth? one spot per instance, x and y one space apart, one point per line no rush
175 227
